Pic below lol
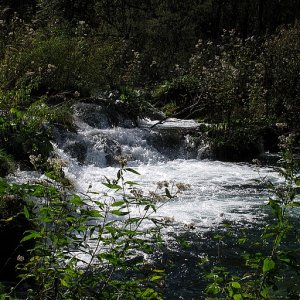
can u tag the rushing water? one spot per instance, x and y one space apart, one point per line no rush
219 192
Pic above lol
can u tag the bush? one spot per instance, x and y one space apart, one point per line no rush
230 78
282 60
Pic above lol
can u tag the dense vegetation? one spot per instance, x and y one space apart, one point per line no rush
232 63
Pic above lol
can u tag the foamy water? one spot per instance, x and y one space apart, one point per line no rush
219 191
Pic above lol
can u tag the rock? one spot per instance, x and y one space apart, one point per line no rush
104 116
77 150
112 150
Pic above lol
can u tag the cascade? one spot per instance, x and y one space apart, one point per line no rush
175 151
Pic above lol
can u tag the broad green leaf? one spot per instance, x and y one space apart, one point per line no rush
214 289
265 293
16 112
237 297
277 210
268 265
235 285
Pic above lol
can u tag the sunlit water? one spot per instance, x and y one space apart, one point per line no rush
219 191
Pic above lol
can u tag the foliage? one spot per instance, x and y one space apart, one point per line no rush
91 245
22 134
7 164
227 72
282 61
57 62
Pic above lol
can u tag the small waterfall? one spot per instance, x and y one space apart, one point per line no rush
172 151
99 142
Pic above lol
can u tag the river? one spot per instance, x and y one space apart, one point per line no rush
220 194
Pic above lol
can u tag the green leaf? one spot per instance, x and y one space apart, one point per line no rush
237 297
64 283
156 277
265 293
39 191
9 219
26 212
218 236
158 271
32 235
16 112
268 265
119 213
242 240
118 203
235 285
77 200
94 213
112 186
132 171
213 288
3 185
277 210
131 182
119 174
285 260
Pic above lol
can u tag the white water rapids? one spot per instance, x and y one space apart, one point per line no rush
219 191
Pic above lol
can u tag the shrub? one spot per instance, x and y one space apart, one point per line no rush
282 60
230 77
